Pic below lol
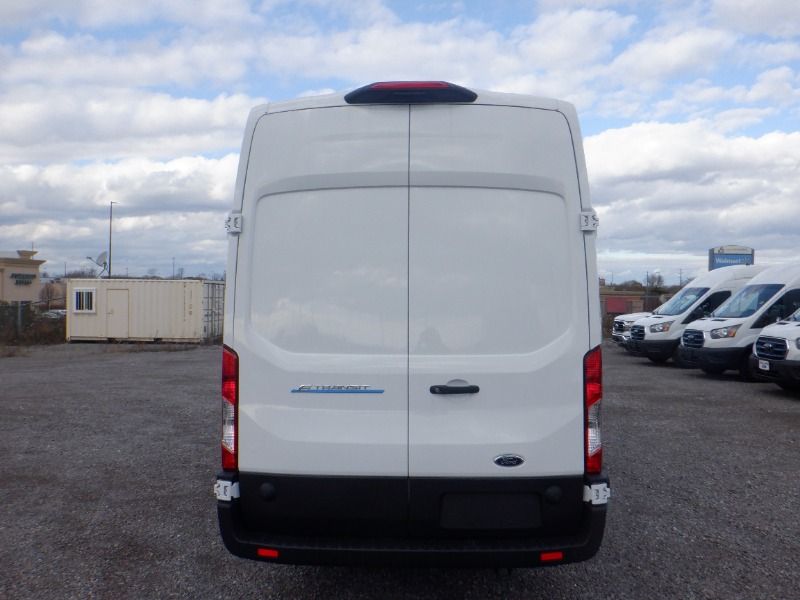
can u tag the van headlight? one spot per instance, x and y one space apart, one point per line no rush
661 327
724 332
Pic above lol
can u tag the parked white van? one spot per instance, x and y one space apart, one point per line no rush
657 337
412 367
725 339
621 330
776 353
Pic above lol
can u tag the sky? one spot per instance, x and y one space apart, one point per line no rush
690 111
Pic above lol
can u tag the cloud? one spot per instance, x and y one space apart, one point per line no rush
668 53
774 18
177 204
190 58
100 13
91 123
685 187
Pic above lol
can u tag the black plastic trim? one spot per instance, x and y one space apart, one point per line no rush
578 542
368 94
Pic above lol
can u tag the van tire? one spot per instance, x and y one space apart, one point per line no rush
789 386
659 359
744 369
713 370
677 360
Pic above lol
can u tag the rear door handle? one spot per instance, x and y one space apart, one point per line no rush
455 389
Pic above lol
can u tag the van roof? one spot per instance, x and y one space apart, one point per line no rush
788 274
484 97
723 274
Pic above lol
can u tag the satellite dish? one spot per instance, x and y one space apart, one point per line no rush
101 259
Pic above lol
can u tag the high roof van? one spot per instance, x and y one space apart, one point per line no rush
776 353
621 329
411 364
657 337
724 340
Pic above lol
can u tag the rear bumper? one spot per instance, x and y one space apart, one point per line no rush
779 370
657 349
415 545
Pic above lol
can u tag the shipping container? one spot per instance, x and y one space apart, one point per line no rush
147 310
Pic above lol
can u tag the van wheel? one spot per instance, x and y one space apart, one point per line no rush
744 369
676 358
713 370
789 386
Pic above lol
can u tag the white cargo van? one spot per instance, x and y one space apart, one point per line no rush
725 339
621 330
657 337
412 367
776 353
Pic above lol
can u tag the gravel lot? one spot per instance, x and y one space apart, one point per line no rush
109 455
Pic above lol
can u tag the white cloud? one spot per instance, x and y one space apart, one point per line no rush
175 207
87 123
188 59
776 18
683 188
669 53
100 13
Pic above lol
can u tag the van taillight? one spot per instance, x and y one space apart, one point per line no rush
592 396
410 92
230 405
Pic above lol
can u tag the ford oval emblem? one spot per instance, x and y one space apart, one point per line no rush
508 460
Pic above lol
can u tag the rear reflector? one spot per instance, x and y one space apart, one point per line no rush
592 395
267 553
230 401
551 556
410 92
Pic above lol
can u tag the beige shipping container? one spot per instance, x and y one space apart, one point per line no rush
184 310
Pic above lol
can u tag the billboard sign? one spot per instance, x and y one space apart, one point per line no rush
723 256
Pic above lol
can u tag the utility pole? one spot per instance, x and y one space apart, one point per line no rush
110 219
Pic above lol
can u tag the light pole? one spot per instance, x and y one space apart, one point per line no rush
110 219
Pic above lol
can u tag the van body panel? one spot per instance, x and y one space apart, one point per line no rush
497 293
314 309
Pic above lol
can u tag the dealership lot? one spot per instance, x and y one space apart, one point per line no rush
109 456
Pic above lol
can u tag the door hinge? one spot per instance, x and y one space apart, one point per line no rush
226 490
597 493
233 222
589 220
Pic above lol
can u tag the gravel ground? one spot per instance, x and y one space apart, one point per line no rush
109 455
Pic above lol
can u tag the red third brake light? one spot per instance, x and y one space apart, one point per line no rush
592 395
410 92
230 402
406 85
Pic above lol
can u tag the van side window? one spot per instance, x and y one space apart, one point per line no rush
780 309
707 306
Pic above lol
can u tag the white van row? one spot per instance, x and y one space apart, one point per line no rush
744 318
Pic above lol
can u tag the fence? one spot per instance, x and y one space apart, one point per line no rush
30 323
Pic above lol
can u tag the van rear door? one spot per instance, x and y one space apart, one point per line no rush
321 301
497 295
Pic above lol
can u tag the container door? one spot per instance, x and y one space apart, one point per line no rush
117 321
497 295
321 296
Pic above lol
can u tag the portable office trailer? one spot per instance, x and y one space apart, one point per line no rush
184 310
